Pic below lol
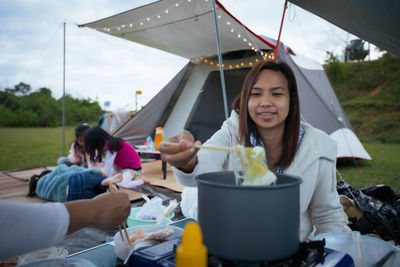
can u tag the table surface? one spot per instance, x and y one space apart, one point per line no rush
104 255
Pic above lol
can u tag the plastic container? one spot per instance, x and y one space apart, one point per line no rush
122 248
149 143
249 223
366 252
59 262
132 221
159 136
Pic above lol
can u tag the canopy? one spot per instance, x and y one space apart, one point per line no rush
377 22
158 24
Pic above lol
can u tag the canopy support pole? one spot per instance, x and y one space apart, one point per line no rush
221 70
280 31
63 102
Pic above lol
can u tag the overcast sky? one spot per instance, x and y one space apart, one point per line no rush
107 68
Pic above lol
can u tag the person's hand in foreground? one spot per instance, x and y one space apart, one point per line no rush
182 156
105 210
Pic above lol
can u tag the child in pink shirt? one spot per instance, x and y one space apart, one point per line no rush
120 156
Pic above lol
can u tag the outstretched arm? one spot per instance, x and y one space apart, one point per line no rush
105 210
31 226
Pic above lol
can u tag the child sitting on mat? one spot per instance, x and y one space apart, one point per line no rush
77 155
120 157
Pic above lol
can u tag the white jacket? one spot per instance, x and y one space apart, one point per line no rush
314 162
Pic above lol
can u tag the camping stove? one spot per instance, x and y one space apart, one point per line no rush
312 253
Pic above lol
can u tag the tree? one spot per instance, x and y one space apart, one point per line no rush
333 68
22 88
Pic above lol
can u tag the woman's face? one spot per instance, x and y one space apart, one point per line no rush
269 101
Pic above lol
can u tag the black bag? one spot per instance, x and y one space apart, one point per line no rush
381 210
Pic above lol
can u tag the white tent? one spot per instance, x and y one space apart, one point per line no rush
192 100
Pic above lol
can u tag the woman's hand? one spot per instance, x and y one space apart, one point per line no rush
182 156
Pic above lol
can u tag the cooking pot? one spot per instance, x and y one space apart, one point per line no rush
249 223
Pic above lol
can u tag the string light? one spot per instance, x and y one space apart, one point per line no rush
244 63
230 27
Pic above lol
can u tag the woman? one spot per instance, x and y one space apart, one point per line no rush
120 157
267 113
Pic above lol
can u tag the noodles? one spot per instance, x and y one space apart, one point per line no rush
254 171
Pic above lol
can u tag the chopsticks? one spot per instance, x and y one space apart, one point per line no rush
222 148
113 188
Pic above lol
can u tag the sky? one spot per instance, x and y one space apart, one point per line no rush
110 69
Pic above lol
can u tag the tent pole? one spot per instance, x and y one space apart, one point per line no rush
63 102
221 70
280 31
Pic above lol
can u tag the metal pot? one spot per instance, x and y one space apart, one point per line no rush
249 223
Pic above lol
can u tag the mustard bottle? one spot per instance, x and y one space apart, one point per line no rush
191 252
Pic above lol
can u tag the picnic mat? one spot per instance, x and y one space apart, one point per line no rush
153 173
14 185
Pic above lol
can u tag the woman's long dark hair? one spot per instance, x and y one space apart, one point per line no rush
34 181
95 141
80 130
292 122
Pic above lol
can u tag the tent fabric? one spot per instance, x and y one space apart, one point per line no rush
193 98
155 112
371 20
183 20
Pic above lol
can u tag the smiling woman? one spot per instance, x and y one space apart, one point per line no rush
267 114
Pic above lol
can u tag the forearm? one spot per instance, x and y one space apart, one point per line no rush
82 213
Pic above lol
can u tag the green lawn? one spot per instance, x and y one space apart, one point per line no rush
22 148
384 168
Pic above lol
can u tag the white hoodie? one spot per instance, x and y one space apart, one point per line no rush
314 162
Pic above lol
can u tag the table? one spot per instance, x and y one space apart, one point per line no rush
156 155
104 255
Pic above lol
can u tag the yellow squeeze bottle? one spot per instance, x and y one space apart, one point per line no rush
191 252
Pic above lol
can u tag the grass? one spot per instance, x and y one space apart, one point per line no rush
384 168
22 148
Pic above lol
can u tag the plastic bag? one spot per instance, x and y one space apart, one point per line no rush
380 216
189 202
51 252
151 210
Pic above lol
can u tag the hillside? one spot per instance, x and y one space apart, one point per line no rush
370 95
